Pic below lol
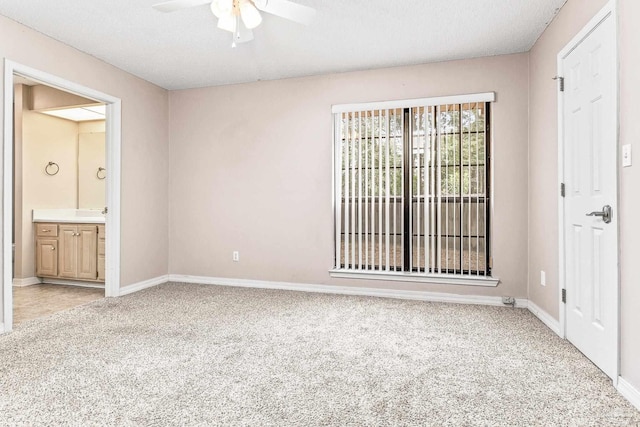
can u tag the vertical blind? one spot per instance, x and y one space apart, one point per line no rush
412 188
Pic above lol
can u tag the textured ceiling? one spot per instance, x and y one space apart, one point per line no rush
184 49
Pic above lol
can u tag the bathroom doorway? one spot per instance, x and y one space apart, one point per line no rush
61 195
59 190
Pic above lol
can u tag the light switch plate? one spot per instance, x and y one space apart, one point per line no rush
626 155
543 278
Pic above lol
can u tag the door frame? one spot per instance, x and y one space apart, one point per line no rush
113 149
608 11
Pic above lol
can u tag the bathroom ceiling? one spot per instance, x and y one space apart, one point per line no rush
185 49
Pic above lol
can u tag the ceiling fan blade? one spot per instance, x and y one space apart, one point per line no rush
173 5
288 10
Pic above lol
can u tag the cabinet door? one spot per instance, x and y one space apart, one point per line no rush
87 251
46 257
68 251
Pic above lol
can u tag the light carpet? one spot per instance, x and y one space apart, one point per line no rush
182 354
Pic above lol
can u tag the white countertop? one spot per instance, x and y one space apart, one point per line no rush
78 216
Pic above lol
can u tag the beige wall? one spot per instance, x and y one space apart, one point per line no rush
629 36
543 170
144 142
251 169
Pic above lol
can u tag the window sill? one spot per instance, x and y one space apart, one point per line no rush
442 279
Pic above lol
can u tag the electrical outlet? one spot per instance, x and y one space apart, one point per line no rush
626 155
543 278
236 256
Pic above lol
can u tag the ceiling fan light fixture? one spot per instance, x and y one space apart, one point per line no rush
250 15
221 8
227 23
239 17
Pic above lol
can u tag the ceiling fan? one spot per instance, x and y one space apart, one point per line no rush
241 16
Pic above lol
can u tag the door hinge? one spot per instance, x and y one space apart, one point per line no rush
560 81
562 191
564 296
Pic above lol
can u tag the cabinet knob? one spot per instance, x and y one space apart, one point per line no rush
53 248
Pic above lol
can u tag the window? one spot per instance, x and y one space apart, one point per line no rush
412 187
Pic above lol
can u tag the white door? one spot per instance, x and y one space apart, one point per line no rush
590 156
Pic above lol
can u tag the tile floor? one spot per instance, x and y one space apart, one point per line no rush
31 302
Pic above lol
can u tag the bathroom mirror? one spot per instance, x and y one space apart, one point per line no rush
91 170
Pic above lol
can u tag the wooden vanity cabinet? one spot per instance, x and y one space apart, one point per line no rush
69 251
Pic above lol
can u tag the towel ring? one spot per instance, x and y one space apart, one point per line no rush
104 175
51 165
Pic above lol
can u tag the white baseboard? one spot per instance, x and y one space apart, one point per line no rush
346 290
2 331
79 283
27 281
629 392
545 318
135 287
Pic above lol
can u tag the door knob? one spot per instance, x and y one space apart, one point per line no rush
605 214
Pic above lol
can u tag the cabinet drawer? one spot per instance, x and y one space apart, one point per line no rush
100 247
46 230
